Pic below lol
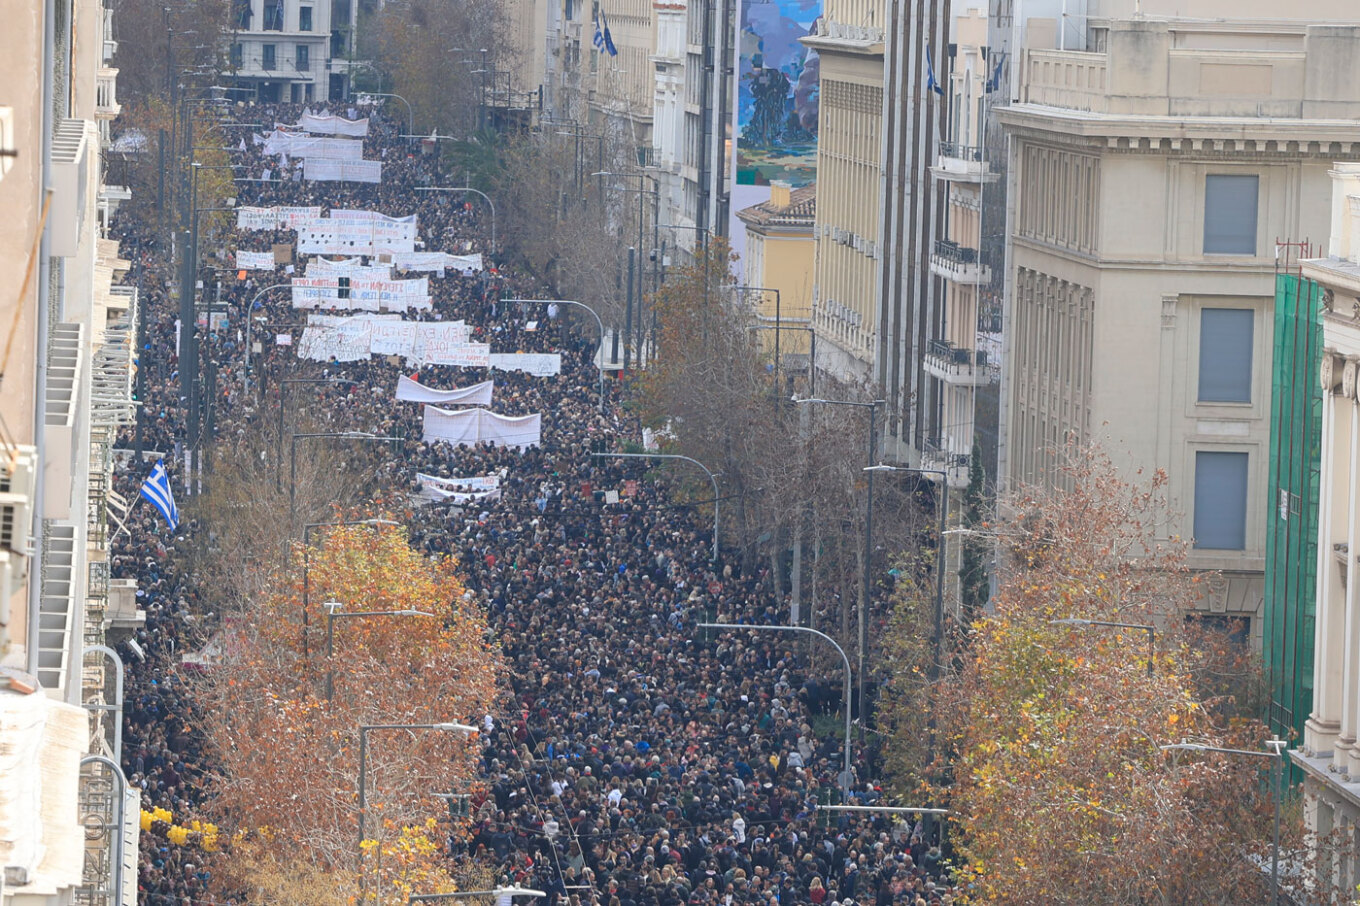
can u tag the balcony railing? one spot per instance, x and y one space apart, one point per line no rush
954 253
954 355
936 452
972 153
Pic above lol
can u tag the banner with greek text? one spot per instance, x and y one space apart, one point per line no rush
324 169
332 125
539 364
254 261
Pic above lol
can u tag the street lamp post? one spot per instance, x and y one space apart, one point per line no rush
1277 747
364 730
410 116
278 437
655 192
489 203
598 322
250 307
845 774
777 319
711 477
867 583
1146 627
334 612
292 459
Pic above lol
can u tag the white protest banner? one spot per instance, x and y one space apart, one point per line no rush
368 216
295 217
341 340
414 392
465 427
394 337
250 218
474 483
325 236
295 144
254 261
467 265
332 125
539 364
324 169
349 267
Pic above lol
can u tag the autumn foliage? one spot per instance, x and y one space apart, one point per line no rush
1050 732
288 757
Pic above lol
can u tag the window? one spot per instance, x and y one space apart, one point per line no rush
1220 501
1230 214
273 17
1225 337
303 58
236 56
243 14
304 18
267 56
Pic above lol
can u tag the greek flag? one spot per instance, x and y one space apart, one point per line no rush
156 489
603 40
932 83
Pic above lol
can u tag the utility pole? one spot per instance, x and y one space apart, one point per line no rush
628 310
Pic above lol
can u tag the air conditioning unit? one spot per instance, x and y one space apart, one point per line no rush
18 482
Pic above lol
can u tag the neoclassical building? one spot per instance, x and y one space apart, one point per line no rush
1330 756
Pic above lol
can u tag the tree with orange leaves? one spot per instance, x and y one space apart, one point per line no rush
1050 734
288 754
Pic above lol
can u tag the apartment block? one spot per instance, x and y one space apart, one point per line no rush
778 274
1150 176
294 51
66 388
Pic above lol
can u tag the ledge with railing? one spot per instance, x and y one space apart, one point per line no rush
970 153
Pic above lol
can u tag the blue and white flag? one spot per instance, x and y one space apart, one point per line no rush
603 40
994 82
932 83
156 489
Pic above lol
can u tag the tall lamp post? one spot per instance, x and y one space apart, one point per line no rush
867 582
845 774
709 472
278 437
489 203
655 192
334 612
250 308
410 116
598 322
292 459
364 730
777 319
1276 753
1145 627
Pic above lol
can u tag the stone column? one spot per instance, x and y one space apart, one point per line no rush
1324 723
1350 673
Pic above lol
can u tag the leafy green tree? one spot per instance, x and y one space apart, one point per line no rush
973 575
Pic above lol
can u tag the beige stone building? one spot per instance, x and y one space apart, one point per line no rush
65 388
778 271
850 44
1330 755
1150 176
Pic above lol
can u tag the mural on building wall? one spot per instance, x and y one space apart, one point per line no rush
777 93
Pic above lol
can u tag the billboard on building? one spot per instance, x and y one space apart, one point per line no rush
777 93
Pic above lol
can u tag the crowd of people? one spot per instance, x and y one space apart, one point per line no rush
644 761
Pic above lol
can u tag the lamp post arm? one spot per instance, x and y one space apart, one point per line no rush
845 660
711 477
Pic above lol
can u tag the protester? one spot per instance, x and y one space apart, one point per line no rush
643 762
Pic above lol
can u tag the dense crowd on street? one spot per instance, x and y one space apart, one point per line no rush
639 761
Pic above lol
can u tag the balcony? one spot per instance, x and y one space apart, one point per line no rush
962 163
957 366
958 263
936 455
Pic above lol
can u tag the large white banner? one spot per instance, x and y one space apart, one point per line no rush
332 125
324 169
299 144
325 236
419 342
465 427
275 218
415 392
437 262
369 216
363 294
459 491
349 267
539 364
254 261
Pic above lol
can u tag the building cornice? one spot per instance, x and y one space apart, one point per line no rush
828 44
1268 137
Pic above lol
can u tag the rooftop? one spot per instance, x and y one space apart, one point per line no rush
799 211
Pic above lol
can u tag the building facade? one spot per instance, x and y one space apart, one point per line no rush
778 273
66 388
294 51
1149 177
1330 755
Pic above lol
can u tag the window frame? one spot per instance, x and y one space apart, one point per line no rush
309 21
269 57
1255 220
1239 455
1204 364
